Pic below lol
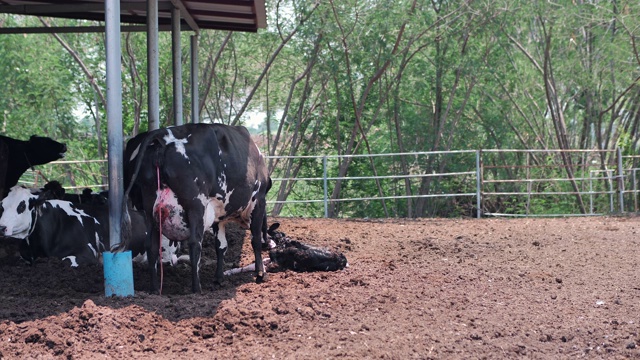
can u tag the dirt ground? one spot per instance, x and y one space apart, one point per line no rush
414 289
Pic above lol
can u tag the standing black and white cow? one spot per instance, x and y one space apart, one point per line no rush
51 227
17 156
195 178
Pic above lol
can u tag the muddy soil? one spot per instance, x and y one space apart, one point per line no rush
414 289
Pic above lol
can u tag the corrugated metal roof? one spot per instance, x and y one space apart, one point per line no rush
234 15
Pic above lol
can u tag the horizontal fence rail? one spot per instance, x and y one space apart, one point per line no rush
488 182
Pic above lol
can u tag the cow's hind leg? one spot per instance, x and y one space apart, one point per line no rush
259 219
221 249
196 228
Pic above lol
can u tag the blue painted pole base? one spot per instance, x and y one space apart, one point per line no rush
118 273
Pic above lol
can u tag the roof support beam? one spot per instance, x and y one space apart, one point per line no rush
176 57
195 98
186 15
153 67
77 8
80 29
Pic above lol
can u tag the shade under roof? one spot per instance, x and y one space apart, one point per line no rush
234 15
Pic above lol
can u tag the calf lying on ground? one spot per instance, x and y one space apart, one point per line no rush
57 228
294 255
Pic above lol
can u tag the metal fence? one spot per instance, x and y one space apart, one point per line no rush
477 183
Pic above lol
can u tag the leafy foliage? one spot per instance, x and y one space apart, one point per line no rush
355 77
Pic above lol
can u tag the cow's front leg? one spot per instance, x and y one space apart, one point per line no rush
221 249
152 246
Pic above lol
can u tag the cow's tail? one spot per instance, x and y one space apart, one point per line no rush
125 225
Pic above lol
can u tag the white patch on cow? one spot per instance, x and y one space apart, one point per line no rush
140 258
70 210
17 225
169 250
173 225
99 247
71 258
222 236
222 181
248 210
211 208
93 249
135 153
178 143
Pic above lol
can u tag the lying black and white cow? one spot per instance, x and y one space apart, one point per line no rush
17 156
50 227
195 178
61 229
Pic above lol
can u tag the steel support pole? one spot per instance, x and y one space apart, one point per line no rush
324 185
118 270
620 181
114 119
153 82
177 66
478 184
195 98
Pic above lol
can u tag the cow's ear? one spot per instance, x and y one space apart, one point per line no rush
273 228
44 196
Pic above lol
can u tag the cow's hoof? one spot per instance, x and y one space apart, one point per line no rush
260 278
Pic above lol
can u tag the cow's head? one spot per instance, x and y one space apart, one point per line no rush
55 188
17 211
41 150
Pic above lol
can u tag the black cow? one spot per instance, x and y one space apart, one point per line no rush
17 156
195 178
87 197
58 228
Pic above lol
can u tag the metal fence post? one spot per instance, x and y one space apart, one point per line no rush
610 181
478 185
620 181
590 192
324 178
634 190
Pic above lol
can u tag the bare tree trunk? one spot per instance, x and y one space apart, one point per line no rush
92 81
358 106
209 75
557 116
265 70
137 85
285 186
